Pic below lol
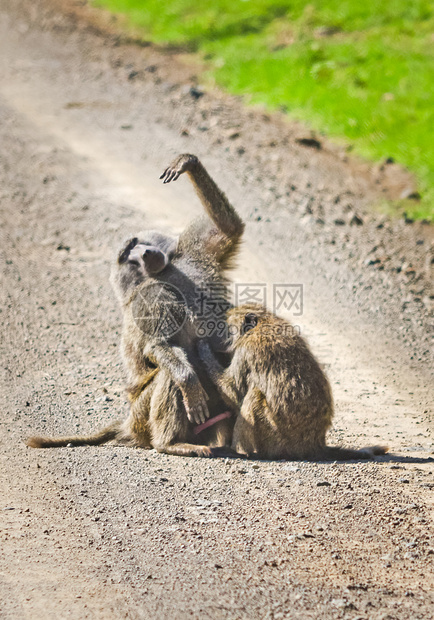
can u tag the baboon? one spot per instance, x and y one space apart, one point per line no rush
284 398
163 284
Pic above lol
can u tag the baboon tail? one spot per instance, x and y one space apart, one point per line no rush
107 434
335 453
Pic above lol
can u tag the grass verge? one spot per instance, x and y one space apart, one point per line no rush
362 71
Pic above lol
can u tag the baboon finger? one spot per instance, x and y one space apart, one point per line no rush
202 414
198 415
171 174
191 416
194 415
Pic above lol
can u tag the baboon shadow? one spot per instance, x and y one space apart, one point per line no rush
385 458
397 458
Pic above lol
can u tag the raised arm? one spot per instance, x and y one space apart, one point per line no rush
215 202
174 360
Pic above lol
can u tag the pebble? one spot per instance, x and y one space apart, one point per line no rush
356 220
292 468
195 93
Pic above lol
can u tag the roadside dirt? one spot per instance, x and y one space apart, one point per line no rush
87 125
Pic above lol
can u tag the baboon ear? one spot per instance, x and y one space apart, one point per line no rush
125 252
250 321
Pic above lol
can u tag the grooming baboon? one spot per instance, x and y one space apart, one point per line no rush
163 283
284 398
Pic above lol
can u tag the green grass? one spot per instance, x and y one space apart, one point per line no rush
363 71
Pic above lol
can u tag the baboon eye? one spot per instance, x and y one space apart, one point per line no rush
250 321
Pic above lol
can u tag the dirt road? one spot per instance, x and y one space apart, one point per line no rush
87 126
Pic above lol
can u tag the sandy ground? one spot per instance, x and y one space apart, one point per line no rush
87 125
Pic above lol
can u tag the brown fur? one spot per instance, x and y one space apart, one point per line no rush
285 399
168 392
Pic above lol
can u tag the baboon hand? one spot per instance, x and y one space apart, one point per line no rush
181 164
195 397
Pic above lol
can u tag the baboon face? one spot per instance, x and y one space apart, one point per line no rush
250 321
148 258
242 320
140 258
149 253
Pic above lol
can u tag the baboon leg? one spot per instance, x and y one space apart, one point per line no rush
221 435
138 421
219 438
244 436
168 422
174 360
243 440
169 427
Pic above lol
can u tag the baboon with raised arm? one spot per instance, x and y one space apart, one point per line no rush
157 279
284 399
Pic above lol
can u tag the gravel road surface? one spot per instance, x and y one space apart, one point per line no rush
88 123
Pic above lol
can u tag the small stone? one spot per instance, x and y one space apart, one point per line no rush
323 483
372 261
62 246
196 93
410 194
356 220
313 143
